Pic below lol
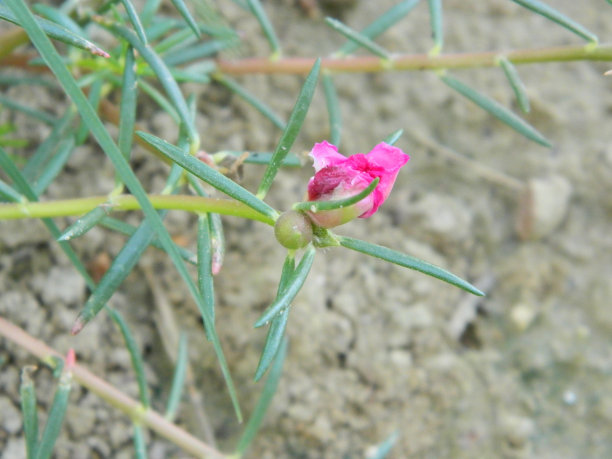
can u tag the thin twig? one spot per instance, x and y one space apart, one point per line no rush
112 395
366 64
372 64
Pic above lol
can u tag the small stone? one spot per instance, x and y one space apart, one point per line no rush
61 284
517 430
569 397
522 316
80 420
15 447
542 206
11 416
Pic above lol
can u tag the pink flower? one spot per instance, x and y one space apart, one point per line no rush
339 177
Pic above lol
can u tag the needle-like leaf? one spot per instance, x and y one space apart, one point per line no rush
497 110
515 82
57 32
358 38
333 109
406 261
548 12
294 284
291 130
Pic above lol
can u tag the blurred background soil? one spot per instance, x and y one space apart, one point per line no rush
374 349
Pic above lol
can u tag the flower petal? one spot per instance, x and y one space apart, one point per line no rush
388 157
325 154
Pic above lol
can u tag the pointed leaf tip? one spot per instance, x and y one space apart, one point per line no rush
78 325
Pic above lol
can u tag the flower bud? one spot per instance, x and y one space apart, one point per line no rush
293 230
339 177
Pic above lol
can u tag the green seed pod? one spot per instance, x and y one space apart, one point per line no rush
293 230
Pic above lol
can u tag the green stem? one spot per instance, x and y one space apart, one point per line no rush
79 206
588 52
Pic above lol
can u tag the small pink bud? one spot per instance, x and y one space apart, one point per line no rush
338 177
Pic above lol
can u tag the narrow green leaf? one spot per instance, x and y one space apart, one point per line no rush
497 110
31 112
8 193
127 229
260 106
197 51
121 266
127 110
163 75
393 137
384 448
56 417
57 16
55 165
406 261
149 12
380 24
261 158
266 26
291 130
85 223
27 394
95 94
358 38
24 188
140 446
183 11
160 100
205 278
135 355
135 20
333 109
187 76
36 163
548 12
318 206
294 284
161 27
14 80
57 32
263 403
203 68
274 339
279 322
209 175
178 380
174 42
436 21
515 82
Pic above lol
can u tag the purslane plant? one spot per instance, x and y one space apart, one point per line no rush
150 47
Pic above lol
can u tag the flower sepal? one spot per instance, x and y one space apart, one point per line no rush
324 238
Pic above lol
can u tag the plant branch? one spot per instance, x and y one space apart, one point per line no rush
112 395
80 206
418 61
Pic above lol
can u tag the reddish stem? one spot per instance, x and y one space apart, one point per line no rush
113 396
